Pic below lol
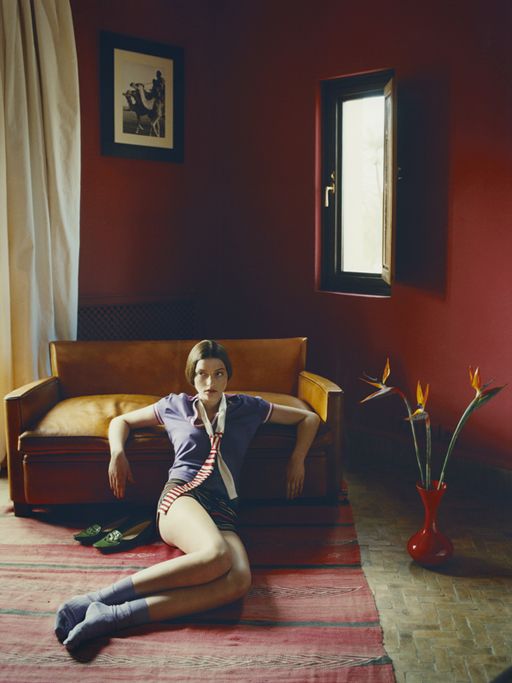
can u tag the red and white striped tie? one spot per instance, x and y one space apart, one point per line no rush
209 464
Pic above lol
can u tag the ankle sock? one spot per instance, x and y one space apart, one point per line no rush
72 612
101 620
119 592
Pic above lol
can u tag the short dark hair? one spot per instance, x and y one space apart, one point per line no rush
208 348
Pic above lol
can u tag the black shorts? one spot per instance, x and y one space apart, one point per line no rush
221 510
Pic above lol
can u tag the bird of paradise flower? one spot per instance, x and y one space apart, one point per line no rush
482 395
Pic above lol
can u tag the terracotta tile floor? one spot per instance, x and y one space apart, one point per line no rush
451 624
440 626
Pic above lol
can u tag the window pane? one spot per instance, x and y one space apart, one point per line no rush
362 186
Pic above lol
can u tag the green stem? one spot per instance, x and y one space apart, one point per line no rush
428 456
455 436
415 440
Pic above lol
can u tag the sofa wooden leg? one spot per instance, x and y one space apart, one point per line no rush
22 510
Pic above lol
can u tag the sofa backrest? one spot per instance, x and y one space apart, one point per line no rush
158 367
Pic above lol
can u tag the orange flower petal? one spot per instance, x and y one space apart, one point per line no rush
387 371
373 384
474 378
419 394
421 398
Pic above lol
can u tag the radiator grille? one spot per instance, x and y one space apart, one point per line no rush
169 319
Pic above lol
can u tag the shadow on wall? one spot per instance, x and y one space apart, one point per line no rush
422 192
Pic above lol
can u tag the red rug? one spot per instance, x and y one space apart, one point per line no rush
310 615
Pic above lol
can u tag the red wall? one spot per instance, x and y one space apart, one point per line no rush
243 203
452 304
140 219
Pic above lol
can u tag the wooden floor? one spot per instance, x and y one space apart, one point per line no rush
442 626
451 624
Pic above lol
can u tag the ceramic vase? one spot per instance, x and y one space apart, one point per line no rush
429 546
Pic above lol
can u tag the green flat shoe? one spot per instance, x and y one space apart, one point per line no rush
96 531
117 541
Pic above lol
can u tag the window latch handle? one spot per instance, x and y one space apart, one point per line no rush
329 188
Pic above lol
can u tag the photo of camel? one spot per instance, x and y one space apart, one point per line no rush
144 112
144 101
141 98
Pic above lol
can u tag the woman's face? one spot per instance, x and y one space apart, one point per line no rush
210 380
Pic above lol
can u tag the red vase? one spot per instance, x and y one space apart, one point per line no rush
429 546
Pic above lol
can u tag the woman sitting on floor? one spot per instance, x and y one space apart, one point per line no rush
210 433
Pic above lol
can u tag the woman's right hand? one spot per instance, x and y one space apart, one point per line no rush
119 472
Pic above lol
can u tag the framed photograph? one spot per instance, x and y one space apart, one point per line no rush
141 98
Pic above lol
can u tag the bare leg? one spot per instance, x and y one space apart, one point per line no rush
102 619
214 571
191 599
207 555
186 525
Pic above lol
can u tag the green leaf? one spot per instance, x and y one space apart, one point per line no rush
487 395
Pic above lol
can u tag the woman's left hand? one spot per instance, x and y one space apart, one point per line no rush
294 477
307 425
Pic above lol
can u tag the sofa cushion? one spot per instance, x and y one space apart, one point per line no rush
88 415
80 424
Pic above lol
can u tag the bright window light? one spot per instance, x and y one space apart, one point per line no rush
362 189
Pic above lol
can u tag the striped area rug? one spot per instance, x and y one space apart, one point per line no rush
309 616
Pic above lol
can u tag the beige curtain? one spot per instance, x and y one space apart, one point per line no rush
39 187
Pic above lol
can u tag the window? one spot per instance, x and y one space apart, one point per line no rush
358 183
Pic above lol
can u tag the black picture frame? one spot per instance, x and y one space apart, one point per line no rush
141 98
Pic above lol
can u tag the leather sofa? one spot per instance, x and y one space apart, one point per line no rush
57 427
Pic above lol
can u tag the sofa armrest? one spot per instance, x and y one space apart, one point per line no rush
320 393
326 399
24 407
